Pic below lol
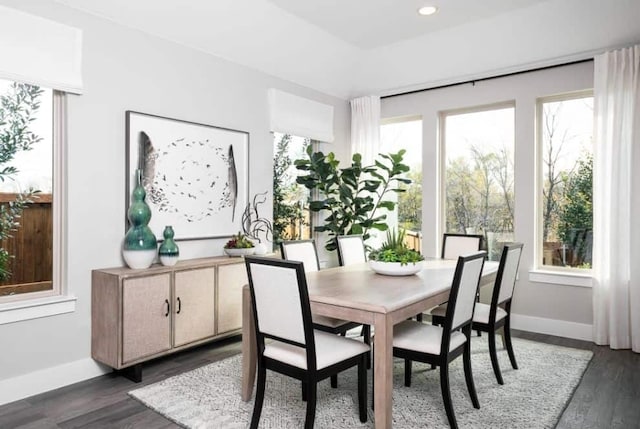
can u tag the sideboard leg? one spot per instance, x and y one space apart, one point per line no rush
133 373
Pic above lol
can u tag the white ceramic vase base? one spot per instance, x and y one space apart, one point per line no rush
139 259
169 261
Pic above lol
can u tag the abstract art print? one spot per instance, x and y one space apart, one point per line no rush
195 175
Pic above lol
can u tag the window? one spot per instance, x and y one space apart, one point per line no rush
406 133
26 191
565 154
478 174
291 220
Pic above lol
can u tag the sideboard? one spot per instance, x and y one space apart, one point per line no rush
138 315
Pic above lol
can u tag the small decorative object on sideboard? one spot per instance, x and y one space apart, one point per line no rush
139 248
168 252
239 245
394 258
255 226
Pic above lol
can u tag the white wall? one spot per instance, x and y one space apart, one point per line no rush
533 301
127 70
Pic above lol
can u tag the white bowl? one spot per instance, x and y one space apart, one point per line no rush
240 252
394 268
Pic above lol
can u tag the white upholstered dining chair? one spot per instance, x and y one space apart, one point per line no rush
305 252
282 315
454 245
439 345
490 318
351 249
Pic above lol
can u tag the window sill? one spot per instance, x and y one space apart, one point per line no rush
561 278
36 308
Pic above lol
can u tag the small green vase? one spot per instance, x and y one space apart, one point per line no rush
169 251
139 249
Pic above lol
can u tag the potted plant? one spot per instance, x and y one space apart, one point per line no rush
394 258
239 245
351 197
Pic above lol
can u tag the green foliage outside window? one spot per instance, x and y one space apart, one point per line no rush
18 108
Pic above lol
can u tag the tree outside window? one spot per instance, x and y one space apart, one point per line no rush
479 174
25 188
290 200
566 124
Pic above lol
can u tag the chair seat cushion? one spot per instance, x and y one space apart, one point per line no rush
328 321
480 314
330 349
419 337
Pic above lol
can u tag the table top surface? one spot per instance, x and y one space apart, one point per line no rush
357 286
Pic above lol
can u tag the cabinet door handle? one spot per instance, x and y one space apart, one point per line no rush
179 306
166 301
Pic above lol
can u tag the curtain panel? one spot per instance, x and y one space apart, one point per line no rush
365 128
616 199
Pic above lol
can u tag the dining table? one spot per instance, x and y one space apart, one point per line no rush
358 294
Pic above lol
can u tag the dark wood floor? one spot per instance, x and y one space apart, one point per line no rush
608 395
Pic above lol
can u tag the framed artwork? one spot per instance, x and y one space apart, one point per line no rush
196 176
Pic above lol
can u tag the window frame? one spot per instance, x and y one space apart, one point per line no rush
538 266
442 156
24 306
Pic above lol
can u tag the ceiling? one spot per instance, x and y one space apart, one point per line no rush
348 48
373 23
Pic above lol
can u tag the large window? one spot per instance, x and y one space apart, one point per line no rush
565 131
406 133
291 220
478 174
26 190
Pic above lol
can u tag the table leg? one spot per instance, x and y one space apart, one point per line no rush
383 370
248 346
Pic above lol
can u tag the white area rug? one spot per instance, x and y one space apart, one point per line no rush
533 396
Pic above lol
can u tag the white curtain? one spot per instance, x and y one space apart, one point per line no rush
616 200
365 127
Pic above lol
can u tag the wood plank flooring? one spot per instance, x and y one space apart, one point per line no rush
607 397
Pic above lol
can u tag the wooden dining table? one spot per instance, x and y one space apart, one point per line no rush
358 294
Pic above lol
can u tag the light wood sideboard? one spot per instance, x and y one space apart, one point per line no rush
138 315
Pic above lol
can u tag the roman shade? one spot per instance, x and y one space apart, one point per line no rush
39 51
299 116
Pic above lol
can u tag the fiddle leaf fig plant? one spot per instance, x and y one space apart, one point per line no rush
351 196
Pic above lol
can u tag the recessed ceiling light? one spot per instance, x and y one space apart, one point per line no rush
427 10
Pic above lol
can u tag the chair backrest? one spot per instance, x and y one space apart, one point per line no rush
281 308
462 298
303 251
507 273
351 250
454 245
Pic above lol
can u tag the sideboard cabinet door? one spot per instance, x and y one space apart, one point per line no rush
231 279
146 321
194 305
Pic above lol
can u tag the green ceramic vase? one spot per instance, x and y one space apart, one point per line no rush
139 249
169 251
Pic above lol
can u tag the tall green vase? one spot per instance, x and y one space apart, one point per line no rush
140 245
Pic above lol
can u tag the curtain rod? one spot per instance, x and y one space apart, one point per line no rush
473 81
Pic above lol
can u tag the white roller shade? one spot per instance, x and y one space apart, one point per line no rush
291 114
40 51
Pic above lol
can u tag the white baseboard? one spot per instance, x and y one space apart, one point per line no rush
560 328
33 383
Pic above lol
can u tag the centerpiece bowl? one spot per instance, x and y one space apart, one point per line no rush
394 258
395 268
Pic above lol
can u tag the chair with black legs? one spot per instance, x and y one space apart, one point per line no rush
282 314
490 318
435 345
454 245
305 252
351 249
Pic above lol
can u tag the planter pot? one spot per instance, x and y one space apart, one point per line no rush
394 268
240 252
